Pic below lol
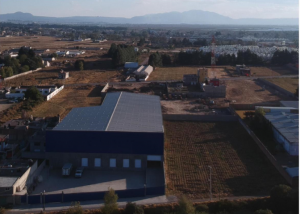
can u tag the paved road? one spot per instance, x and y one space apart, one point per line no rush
122 202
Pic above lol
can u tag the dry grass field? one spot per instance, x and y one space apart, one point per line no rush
49 76
46 42
171 73
67 99
251 92
238 166
289 84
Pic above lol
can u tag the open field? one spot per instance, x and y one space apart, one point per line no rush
49 76
171 73
67 99
238 166
46 42
262 71
251 92
289 84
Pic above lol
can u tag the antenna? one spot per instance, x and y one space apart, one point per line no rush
213 58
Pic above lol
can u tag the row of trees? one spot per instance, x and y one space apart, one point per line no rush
121 54
201 58
283 199
285 57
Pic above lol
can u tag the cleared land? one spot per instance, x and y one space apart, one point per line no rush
238 166
171 73
49 76
289 84
67 99
251 92
46 42
262 71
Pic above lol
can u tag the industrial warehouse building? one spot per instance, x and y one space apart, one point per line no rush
285 125
125 132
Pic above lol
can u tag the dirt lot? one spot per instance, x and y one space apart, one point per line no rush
171 73
49 76
289 84
218 73
262 71
67 99
190 147
46 42
251 92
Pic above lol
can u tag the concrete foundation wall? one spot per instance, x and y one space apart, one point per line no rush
57 160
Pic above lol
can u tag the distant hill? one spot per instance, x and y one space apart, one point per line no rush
189 17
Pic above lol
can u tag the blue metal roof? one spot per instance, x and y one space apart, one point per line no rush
120 111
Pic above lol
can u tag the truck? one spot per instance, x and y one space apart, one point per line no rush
66 170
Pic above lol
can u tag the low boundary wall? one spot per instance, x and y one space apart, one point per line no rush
267 153
276 87
203 118
21 74
54 93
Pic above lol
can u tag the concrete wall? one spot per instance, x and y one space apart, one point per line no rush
57 160
104 90
276 87
50 96
21 74
203 118
28 177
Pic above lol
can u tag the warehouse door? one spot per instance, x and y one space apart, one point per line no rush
84 162
154 161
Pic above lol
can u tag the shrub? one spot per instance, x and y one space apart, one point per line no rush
132 208
185 206
110 202
202 208
75 208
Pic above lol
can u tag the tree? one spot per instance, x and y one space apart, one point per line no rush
166 59
54 55
141 42
110 202
155 60
185 206
34 94
79 65
263 212
24 68
280 197
22 58
132 208
7 71
112 50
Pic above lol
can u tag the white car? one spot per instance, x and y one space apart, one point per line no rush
78 172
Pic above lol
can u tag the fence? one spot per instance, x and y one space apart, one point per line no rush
203 118
264 149
89 196
250 106
21 74
276 87
54 93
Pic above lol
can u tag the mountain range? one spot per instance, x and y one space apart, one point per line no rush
189 17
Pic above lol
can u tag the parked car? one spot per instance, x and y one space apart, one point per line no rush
78 173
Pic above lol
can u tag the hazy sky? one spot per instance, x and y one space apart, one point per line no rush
130 8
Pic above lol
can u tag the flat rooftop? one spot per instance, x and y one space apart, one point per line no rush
286 122
7 181
120 111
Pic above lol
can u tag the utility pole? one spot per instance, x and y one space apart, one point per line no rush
44 200
210 182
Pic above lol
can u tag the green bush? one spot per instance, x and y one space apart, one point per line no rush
185 206
110 202
263 212
132 208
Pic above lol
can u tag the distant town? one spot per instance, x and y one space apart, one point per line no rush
173 118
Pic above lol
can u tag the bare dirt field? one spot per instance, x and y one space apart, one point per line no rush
46 42
49 76
262 71
171 73
251 92
238 166
218 73
67 99
289 84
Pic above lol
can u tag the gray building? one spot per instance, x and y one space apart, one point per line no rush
125 132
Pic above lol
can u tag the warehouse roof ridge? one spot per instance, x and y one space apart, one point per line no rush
120 111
